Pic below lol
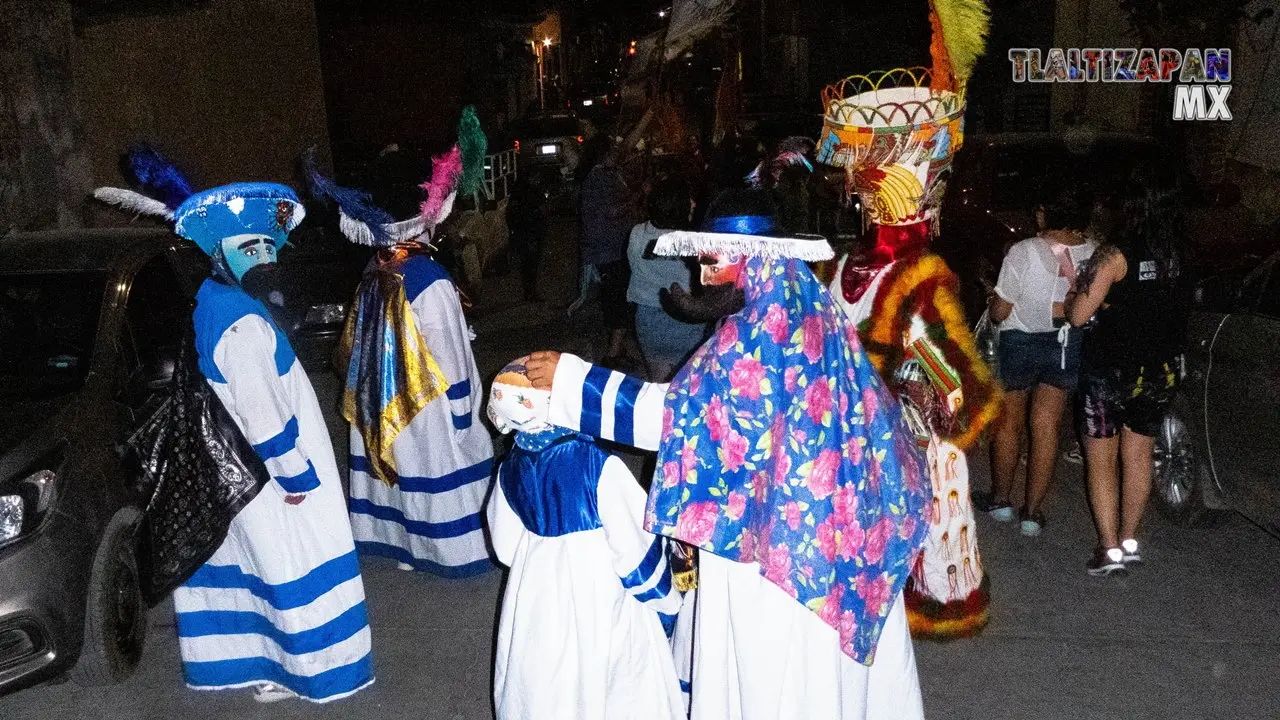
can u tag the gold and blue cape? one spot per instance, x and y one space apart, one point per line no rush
391 374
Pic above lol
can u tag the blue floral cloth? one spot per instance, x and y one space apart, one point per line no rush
782 446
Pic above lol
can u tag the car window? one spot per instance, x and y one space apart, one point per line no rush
192 266
158 312
48 324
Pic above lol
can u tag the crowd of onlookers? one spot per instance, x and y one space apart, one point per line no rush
1098 311
623 208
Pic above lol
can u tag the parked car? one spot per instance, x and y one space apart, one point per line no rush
599 100
90 325
550 140
91 322
992 193
1220 444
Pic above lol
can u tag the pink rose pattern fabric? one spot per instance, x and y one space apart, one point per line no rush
784 448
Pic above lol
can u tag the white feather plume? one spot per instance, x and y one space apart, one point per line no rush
134 202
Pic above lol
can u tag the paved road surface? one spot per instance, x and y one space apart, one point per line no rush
1195 633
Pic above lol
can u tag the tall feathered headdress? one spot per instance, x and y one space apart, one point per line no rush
358 218
959 39
164 186
473 146
461 170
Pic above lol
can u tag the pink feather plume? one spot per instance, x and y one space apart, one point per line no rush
446 171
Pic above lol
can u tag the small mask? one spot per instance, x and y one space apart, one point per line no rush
720 269
515 405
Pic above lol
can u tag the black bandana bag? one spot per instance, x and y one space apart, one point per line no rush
197 471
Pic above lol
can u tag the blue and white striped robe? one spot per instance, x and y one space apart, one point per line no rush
588 603
431 519
281 600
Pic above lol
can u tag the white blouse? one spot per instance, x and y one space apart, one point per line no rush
1032 279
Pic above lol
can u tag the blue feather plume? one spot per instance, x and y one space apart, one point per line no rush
355 204
158 176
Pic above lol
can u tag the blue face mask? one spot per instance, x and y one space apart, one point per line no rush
244 252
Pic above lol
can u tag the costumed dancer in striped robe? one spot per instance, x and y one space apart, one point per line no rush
421 459
783 459
280 604
589 602
896 144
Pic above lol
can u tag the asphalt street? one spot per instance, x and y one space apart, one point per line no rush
1193 633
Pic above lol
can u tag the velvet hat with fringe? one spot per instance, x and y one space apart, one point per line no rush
248 208
460 171
744 222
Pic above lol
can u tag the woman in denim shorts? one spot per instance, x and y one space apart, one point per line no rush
1039 354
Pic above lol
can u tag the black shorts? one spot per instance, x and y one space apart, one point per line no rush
1030 359
1137 399
614 278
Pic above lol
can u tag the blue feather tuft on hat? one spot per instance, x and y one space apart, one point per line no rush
158 176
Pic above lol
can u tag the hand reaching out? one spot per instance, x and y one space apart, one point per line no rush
542 368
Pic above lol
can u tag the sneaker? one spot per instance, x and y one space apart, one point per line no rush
1105 562
272 693
1130 549
1031 525
998 511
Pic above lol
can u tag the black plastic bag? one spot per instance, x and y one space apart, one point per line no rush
197 471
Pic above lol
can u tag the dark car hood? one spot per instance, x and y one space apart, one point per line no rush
23 419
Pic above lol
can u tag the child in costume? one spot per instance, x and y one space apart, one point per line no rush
895 133
588 603
782 458
280 604
420 459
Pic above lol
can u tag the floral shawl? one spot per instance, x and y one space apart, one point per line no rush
782 446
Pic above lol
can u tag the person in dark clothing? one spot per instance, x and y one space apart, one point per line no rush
1135 297
606 228
527 222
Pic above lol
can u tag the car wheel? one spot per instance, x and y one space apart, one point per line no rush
1178 476
115 619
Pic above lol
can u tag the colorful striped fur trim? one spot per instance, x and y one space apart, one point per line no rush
933 620
926 287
